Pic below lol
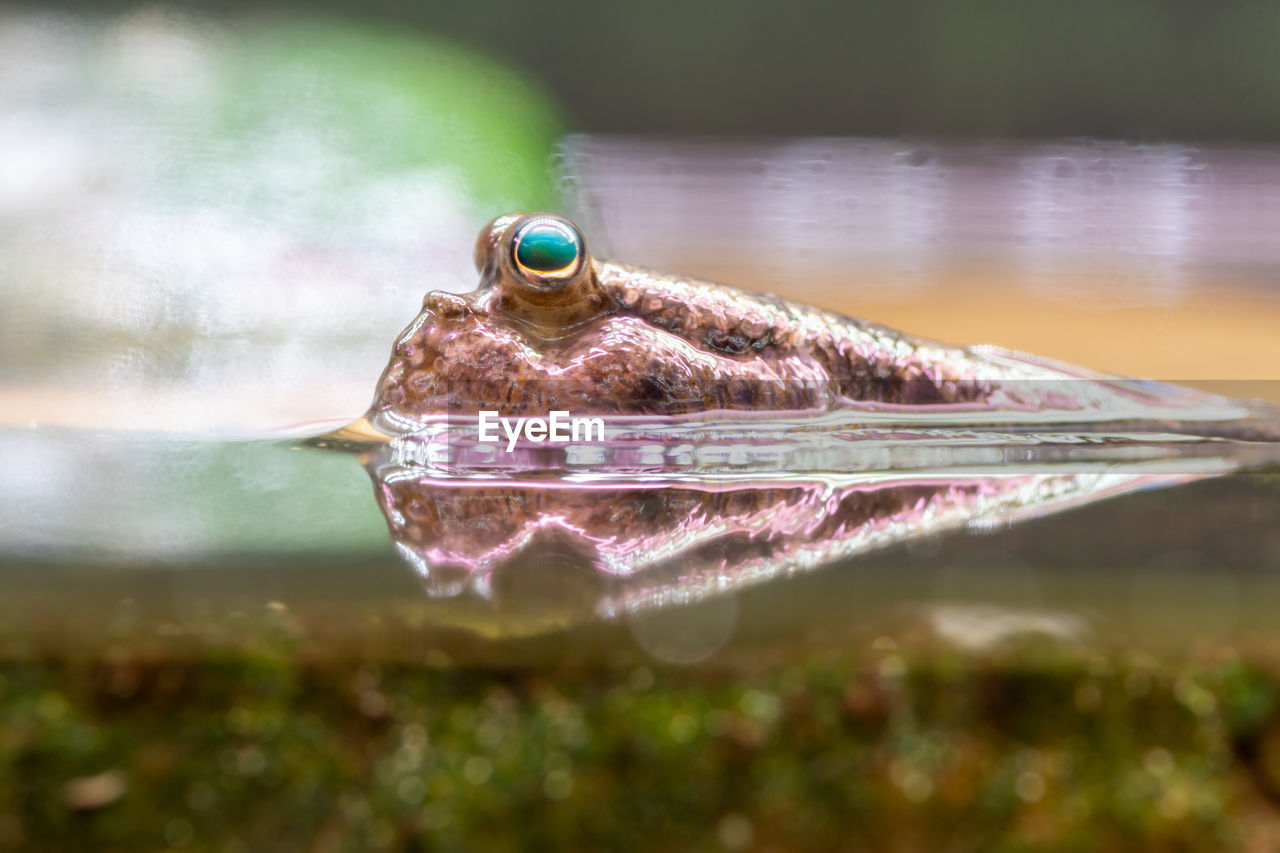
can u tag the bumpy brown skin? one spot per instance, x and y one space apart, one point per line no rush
612 339
622 340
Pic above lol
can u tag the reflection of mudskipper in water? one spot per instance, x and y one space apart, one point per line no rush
602 549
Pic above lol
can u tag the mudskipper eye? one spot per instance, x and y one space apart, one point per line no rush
547 251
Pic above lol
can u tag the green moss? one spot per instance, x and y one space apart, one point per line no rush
264 753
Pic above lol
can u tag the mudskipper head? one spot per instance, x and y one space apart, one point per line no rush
538 295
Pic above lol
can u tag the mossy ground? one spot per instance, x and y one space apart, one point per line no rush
878 749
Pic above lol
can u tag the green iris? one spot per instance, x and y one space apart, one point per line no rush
547 248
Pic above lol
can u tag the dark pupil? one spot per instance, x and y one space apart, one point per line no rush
546 250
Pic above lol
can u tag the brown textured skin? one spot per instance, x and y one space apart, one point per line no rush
620 340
